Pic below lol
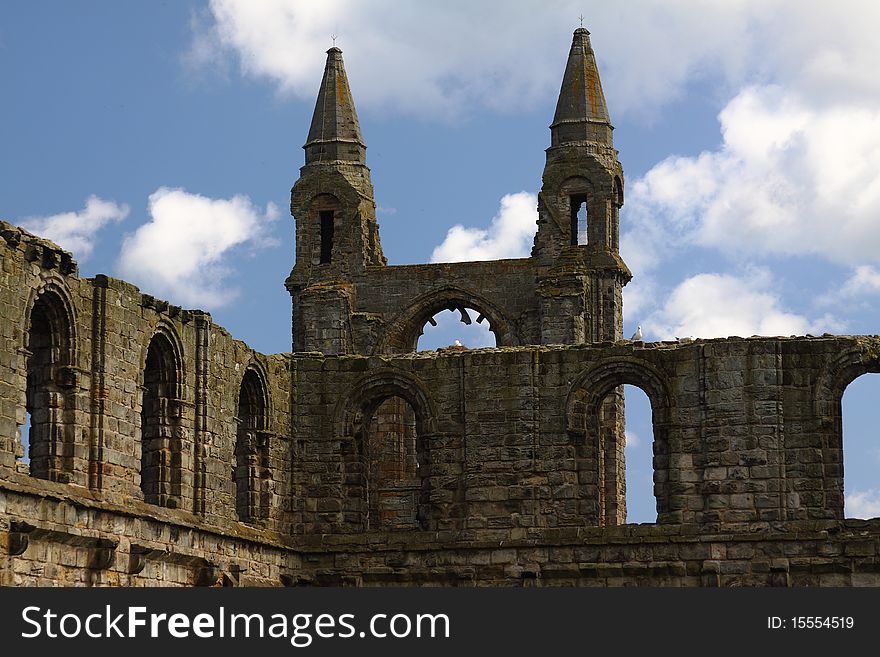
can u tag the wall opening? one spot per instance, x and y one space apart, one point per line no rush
327 218
456 326
394 466
621 428
616 204
578 207
251 474
23 452
861 449
161 444
641 504
46 397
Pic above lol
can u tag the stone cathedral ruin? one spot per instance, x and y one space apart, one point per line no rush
162 451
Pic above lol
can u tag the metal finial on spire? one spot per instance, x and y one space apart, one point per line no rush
334 37
582 19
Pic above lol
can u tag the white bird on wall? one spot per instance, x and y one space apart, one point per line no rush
638 334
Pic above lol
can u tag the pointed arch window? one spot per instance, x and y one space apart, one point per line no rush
325 213
49 393
252 474
394 466
161 438
579 219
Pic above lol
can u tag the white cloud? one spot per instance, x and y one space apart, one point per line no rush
76 231
864 281
721 305
445 58
790 179
183 252
863 504
509 235
632 439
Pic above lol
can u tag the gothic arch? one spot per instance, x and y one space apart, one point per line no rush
49 346
841 370
164 455
355 427
403 331
598 380
252 473
371 390
54 294
587 400
173 357
260 379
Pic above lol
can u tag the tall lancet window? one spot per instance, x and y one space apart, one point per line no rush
161 441
579 236
252 474
49 394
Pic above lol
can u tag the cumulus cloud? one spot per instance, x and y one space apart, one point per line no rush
444 58
509 235
76 231
182 252
863 504
721 305
790 179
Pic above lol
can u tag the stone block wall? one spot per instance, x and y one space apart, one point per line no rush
99 378
514 476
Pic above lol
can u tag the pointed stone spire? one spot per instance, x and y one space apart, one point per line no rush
581 112
335 133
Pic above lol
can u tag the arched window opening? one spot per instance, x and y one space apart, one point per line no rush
22 454
626 468
456 326
324 212
861 450
252 474
395 466
578 207
161 445
49 453
327 218
615 209
641 505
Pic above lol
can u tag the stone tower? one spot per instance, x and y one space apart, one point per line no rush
337 236
580 272
347 300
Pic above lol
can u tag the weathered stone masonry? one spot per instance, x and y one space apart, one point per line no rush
164 452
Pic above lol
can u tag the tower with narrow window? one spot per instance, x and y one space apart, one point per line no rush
337 235
579 270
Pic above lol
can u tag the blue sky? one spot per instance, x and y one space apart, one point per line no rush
159 140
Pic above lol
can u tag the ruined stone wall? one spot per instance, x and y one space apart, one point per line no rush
513 479
97 385
385 309
514 436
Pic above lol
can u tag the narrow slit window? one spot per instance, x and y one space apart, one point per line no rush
326 235
579 220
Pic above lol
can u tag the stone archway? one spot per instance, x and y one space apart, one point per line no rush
593 398
840 370
388 499
403 331
50 350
